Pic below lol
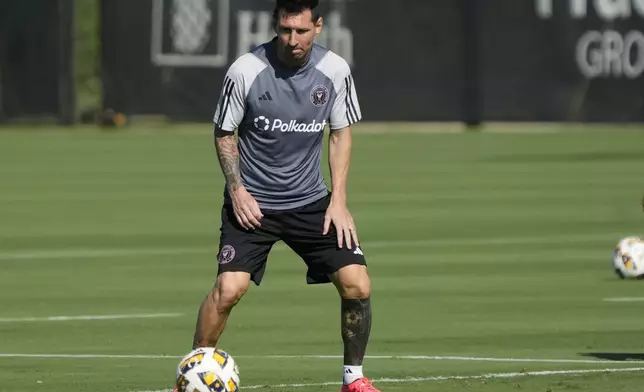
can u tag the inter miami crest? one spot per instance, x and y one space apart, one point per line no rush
227 254
319 95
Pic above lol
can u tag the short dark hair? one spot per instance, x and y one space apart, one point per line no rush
295 7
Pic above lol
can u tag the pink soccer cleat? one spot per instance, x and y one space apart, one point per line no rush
360 385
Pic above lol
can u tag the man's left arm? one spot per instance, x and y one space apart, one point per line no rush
345 112
340 142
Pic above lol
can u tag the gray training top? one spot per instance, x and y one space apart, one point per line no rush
280 114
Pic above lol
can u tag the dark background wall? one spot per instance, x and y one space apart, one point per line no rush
35 58
429 60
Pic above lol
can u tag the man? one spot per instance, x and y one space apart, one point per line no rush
280 97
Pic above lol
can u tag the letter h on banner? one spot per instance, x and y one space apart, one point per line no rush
247 39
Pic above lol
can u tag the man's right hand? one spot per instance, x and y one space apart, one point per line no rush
246 209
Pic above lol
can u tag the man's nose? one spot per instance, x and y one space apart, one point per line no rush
291 40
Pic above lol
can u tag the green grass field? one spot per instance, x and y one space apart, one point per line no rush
489 254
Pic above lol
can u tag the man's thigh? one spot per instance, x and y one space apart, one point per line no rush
303 232
244 250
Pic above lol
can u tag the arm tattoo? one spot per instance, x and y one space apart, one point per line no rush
356 327
229 160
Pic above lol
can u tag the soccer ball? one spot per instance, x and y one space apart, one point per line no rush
207 369
628 258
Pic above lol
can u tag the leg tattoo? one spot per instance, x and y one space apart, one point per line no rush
356 327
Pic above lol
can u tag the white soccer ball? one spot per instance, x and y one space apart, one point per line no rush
207 369
628 258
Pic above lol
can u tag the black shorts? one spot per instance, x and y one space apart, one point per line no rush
300 228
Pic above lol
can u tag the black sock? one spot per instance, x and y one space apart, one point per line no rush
356 327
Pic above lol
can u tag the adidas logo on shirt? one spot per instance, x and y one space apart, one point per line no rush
266 97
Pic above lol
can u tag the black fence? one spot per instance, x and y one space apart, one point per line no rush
36 60
165 56
560 60
435 60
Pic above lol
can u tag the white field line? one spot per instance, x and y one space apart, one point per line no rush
487 376
374 357
71 253
88 356
75 253
88 317
624 299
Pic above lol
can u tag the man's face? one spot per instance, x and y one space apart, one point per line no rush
295 33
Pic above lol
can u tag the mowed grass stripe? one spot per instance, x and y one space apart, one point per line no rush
333 357
463 295
488 376
71 253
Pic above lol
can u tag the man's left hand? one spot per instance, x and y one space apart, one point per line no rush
339 215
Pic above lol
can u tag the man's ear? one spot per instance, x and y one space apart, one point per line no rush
318 25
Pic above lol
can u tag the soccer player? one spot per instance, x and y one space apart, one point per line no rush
279 98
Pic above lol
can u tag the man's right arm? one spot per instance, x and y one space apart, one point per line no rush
228 155
230 111
245 206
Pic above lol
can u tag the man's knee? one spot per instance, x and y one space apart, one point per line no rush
229 289
353 282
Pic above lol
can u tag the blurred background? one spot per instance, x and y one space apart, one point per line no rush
500 160
463 60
